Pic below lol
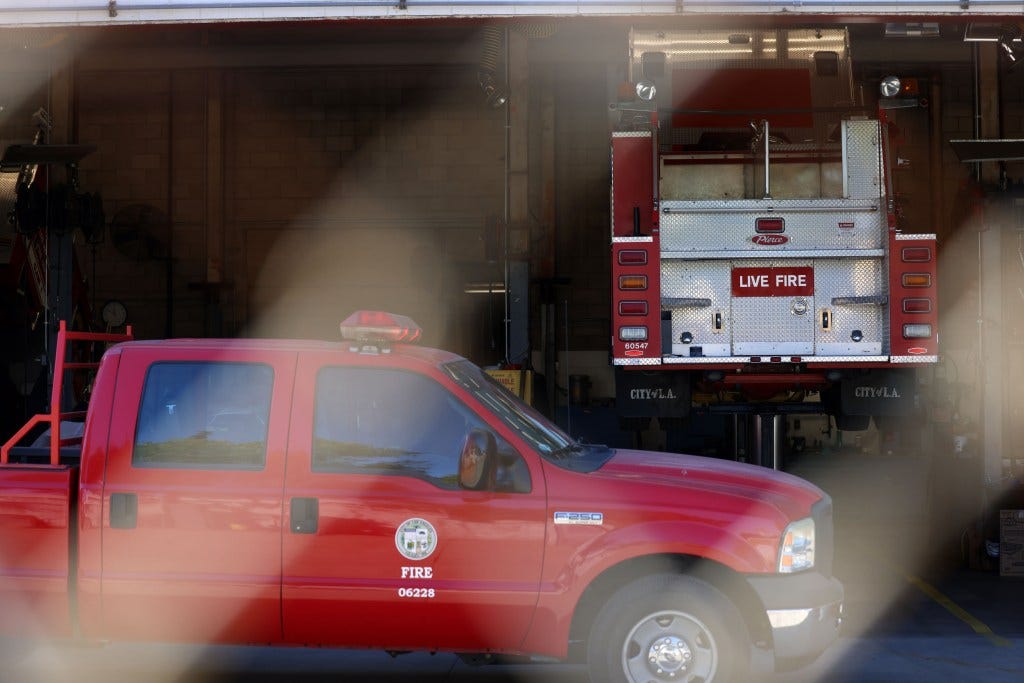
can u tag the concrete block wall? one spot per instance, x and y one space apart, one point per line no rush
383 176
186 203
1012 121
380 178
128 117
583 178
964 206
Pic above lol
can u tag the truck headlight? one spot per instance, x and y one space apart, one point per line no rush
796 552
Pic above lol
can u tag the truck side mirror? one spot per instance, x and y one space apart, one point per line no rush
476 462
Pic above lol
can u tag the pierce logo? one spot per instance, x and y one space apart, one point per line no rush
769 240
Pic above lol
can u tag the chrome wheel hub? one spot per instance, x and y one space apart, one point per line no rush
670 646
668 656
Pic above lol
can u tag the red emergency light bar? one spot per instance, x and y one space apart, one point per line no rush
379 326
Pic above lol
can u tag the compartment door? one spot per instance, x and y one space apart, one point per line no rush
382 548
696 294
851 318
192 504
772 308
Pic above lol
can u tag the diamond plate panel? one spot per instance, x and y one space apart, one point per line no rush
863 159
768 325
696 280
915 359
827 224
851 278
636 361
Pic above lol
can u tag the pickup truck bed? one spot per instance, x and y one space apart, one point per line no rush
36 507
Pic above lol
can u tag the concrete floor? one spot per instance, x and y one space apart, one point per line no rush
913 612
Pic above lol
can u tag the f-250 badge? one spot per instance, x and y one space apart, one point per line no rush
416 538
580 518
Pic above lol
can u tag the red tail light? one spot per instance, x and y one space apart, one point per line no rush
632 308
917 305
632 257
916 254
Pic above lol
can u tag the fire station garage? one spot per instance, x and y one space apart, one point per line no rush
786 234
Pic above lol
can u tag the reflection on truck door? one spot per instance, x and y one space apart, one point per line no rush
398 543
192 502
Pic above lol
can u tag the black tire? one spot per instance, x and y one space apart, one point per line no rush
698 632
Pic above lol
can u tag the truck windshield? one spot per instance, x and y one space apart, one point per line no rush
546 438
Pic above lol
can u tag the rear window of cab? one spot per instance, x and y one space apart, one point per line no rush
204 415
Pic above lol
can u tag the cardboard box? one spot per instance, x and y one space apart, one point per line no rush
1011 543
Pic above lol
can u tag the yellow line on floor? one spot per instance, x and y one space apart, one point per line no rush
957 611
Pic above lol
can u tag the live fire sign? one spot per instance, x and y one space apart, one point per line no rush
789 281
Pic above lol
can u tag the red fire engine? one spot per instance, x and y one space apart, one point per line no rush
755 255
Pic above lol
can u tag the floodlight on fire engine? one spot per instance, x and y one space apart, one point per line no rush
646 90
890 86
368 327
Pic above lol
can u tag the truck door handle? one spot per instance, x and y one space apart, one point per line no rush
124 510
305 515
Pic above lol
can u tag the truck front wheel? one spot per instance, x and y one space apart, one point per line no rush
668 628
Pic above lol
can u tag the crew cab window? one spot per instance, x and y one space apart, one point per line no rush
208 415
527 422
550 442
394 422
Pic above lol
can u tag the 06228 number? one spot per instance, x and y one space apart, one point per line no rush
416 592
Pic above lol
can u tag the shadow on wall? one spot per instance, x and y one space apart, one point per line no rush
313 278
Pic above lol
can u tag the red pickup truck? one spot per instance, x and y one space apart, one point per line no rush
374 493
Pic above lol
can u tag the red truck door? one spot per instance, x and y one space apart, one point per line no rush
381 546
192 501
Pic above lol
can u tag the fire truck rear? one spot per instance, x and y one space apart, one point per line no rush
756 260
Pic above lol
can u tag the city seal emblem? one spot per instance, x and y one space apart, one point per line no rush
416 538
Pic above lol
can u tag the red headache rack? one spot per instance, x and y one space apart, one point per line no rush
55 416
